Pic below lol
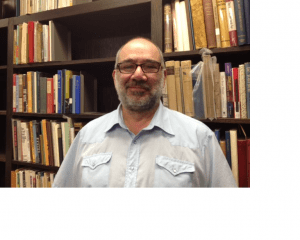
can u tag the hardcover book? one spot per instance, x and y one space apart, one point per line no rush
171 85
224 32
168 28
209 23
231 23
234 155
187 88
240 22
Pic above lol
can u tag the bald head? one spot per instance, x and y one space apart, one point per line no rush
136 43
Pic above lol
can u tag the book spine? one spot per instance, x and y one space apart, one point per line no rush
186 33
77 94
217 133
29 92
20 77
38 142
217 91
231 23
43 95
14 93
190 23
179 96
59 89
25 101
168 28
45 142
247 75
32 147
187 88
247 19
18 46
50 106
198 24
15 46
174 26
242 162
31 41
229 88
224 32
228 148
235 78
223 94
242 91
217 24
240 21
209 23
234 155
171 85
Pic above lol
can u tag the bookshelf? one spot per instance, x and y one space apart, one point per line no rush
98 29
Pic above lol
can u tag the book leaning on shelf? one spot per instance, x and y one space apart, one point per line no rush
64 92
43 142
196 24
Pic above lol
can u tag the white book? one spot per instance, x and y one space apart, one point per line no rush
14 92
21 178
184 26
24 53
223 94
45 42
234 155
25 142
242 91
19 139
179 26
72 135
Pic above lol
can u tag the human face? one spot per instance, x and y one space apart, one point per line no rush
139 91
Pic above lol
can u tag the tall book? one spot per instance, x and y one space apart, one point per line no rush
223 94
236 94
228 148
209 23
77 94
229 88
198 24
242 91
25 93
187 88
217 24
223 146
171 85
179 26
60 42
186 28
39 42
168 28
242 162
43 94
234 155
31 41
231 23
45 48
240 22
15 46
24 43
190 24
45 141
14 92
247 75
217 90
29 91
247 19
50 95
248 162
179 90
223 21
174 26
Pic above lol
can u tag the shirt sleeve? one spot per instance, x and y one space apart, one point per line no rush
220 174
69 173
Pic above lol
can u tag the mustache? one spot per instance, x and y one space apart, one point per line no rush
140 84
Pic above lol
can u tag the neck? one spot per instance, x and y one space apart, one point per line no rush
137 121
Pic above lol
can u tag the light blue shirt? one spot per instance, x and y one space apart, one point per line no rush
173 151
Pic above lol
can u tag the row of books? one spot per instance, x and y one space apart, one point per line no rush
205 93
39 92
43 142
195 24
24 7
237 153
30 178
36 42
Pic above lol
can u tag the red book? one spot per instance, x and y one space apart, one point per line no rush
31 41
242 162
236 93
248 162
231 23
50 95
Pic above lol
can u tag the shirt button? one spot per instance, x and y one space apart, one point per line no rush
174 170
132 168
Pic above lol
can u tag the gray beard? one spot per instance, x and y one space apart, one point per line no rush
142 105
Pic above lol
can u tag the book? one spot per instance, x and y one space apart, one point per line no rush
209 23
234 155
60 42
223 21
39 42
223 94
168 28
14 104
31 41
15 46
60 143
242 91
217 90
248 162
13 178
217 134
247 76
229 88
228 148
217 25
32 147
171 85
174 26
190 24
45 142
65 127
231 23
29 91
50 95
25 100
50 142
247 19
223 147
178 83
186 28
236 94
187 88
179 26
242 162
45 48
24 43
77 94
240 22
198 24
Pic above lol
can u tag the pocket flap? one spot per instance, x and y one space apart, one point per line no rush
96 160
175 166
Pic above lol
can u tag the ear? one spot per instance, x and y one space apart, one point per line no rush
114 76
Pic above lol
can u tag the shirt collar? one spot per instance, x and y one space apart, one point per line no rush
160 119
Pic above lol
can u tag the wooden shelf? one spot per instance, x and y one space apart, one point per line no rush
2 157
226 120
3 67
90 115
35 166
3 23
3 112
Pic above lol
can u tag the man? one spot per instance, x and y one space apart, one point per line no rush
143 143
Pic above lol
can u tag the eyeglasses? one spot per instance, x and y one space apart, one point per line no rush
148 67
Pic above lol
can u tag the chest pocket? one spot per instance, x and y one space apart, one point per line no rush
95 170
170 172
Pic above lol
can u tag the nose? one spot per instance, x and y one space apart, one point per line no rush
139 74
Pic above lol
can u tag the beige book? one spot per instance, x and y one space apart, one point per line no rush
223 21
198 24
208 86
223 94
217 91
168 28
15 46
179 26
184 25
171 85
242 91
24 54
223 147
234 155
39 42
165 95
187 88
217 25
179 91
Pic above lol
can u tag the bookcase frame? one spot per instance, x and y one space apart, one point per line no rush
149 13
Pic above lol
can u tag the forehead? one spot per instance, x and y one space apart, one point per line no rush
139 50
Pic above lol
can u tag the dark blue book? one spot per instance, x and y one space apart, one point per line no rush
217 133
247 19
229 90
240 22
247 76
228 147
17 8
77 95
59 91
73 93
